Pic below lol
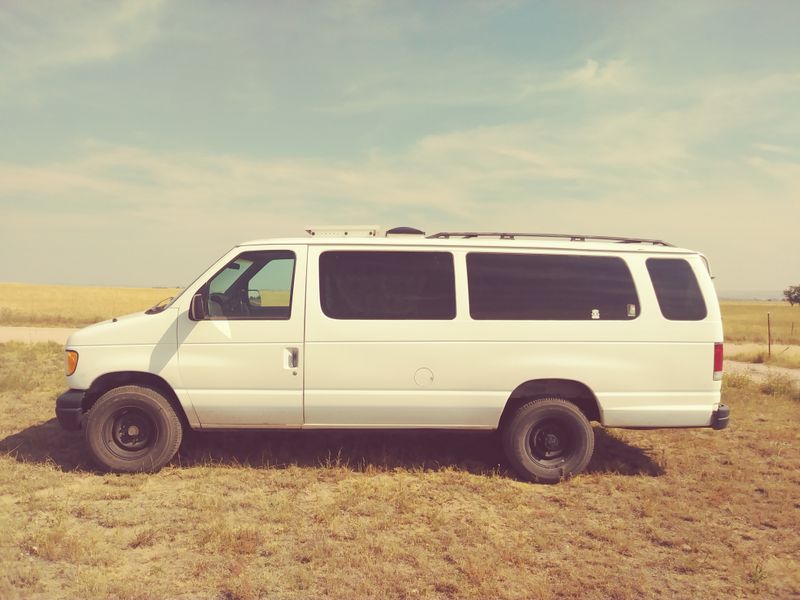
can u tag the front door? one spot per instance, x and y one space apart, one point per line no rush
241 365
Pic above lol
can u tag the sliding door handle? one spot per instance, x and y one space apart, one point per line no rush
292 358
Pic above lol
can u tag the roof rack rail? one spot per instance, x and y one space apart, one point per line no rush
573 237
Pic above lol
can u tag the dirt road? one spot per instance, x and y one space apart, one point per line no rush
759 372
35 334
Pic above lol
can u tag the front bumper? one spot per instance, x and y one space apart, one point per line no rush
719 418
69 409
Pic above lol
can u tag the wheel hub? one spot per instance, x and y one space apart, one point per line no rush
132 430
552 442
548 441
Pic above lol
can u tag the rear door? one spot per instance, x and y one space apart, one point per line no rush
242 365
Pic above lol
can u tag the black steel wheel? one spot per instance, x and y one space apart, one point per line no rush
547 440
132 428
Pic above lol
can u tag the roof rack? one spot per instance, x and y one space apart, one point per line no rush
573 237
344 230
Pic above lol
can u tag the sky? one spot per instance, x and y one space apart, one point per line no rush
141 139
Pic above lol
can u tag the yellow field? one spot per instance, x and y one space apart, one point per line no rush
782 355
666 514
272 298
746 321
745 324
75 306
71 305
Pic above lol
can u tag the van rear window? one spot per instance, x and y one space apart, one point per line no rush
387 285
550 287
678 293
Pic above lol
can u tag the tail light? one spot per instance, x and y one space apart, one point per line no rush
718 361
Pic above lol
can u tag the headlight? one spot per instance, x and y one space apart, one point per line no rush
72 362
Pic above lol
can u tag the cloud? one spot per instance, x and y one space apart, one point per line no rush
786 172
613 154
593 74
190 207
473 82
655 172
778 149
37 36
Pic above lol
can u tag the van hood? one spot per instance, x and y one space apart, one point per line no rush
137 328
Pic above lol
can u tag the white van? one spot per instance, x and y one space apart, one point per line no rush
534 335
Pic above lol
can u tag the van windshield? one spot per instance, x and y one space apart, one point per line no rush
167 302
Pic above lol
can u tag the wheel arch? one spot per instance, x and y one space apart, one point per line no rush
576 392
109 381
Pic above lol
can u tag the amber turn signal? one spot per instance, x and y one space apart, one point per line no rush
72 362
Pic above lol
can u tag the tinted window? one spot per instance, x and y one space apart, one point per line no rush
676 288
223 280
550 287
256 285
387 285
272 284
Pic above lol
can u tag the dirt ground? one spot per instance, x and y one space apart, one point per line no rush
660 514
58 335
760 372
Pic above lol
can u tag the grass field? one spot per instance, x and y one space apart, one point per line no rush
746 321
745 324
672 514
72 305
782 356
76 306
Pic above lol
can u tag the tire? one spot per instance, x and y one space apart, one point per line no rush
132 429
547 440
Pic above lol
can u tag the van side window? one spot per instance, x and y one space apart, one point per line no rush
256 285
550 287
387 285
678 293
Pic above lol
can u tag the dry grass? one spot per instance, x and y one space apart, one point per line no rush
273 298
780 384
746 321
72 305
76 306
671 514
782 356
745 325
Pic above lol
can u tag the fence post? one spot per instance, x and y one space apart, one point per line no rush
769 337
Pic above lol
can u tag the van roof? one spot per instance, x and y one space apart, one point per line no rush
580 243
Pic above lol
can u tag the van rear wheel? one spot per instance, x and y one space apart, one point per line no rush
547 440
131 429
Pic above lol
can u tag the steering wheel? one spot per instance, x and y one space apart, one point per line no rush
237 305
243 302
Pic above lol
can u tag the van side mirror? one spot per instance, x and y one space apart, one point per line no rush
197 310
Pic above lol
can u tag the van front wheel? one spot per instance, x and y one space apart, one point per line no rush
131 429
547 440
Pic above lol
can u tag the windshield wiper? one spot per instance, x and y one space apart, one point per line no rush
159 307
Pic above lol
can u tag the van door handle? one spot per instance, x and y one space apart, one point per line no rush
292 358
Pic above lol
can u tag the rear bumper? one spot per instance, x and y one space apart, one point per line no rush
69 409
719 418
